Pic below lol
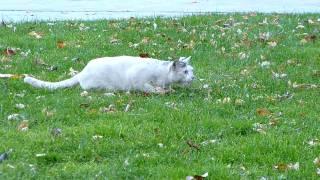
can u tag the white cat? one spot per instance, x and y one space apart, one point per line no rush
125 73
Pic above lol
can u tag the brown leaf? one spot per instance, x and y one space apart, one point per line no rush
273 122
263 111
145 40
23 126
61 44
193 145
9 52
84 105
144 55
281 167
311 37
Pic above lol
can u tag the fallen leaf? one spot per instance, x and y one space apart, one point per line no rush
304 86
145 40
239 102
84 105
263 112
9 52
281 167
265 64
84 93
300 26
243 55
285 167
316 161
72 72
193 145
311 37
144 55
48 113
61 44
36 35
313 142
110 109
197 177
264 36
95 137
114 40
226 100
20 106
294 166
272 44
273 122
279 75
260 128
23 126
14 117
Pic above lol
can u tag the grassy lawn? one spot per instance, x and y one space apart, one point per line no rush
253 112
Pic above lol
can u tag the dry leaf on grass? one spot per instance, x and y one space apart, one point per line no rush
23 126
263 112
260 128
15 117
265 64
61 44
144 55
47 112
193 145
37 35
9 52
313 142
272 44
72 72
96 137
84 93
20 106
285 167
110 109
198 177
316 161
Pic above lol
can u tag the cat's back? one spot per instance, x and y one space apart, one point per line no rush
123 60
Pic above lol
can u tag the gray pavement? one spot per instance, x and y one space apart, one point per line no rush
25 10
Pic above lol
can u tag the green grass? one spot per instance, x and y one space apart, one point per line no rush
200 114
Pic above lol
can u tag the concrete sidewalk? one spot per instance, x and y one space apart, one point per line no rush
24 10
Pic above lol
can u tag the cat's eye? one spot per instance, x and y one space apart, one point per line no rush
186 71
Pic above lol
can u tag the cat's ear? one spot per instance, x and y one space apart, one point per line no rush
185 59
178 65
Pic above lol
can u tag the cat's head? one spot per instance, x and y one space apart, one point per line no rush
182 71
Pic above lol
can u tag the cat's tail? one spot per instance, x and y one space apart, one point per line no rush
51 85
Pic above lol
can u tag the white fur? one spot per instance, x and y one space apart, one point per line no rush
125 73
